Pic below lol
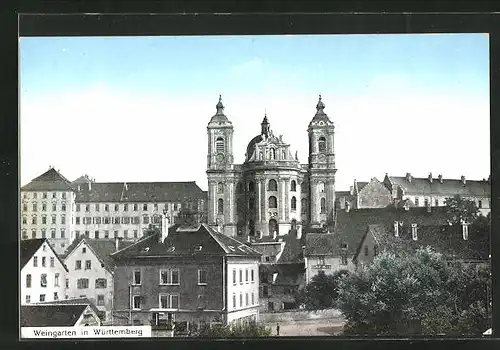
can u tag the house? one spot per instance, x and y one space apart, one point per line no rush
42 272
63 315
373 194
434 191
188 273
322 253
91 272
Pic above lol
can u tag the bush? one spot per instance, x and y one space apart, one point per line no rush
249 330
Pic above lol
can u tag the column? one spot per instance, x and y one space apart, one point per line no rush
287 200
281 199
231 202
314 201
214 201
258 201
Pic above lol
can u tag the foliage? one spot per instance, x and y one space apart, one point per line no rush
321 292
416 293
459 208
251 329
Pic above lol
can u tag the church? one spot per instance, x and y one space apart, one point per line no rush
271 193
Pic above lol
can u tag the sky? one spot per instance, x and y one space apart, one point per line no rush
136 108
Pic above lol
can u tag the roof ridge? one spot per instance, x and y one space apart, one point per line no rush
135 243
209 229
89 244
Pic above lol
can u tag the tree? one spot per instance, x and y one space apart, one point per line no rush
459 209
321 292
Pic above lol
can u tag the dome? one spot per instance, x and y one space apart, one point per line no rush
219 116
251 146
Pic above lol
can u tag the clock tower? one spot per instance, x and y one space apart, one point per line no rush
321 168
220 172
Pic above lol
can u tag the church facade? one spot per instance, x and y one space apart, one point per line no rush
271 193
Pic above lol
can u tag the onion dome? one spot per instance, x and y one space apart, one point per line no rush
320 113
219 116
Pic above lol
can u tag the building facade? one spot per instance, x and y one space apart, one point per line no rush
271 191
60 210
43 273
187 274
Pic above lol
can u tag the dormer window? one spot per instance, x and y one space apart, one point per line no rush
414 231
321 144
465 231
344 246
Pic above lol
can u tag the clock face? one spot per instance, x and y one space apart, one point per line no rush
322 157
219 157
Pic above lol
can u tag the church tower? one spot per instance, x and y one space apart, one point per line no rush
220 173
321 168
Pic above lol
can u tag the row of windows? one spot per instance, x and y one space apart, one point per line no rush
83 283
166 301
42 297
34 219
272 185
246 300
45 195
117 220
106 234
43 279
44 207
273 204
436 202
252 276
44 233
125 206
169 277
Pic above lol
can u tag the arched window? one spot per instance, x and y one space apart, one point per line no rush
273 203
239 188
251 186
272 153
273 185
220 187
284 155
323 205
293 186
294 203
251 203
251 228
219 145
321 144
303 205
261 156
220 206
321 187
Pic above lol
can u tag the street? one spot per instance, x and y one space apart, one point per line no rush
309 328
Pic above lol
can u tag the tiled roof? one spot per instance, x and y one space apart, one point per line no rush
449 187
50 315
361 185
445 239
102 248
82 180
30 246
74 301
319 244
292 252
140 192
350 227
181 242
51 180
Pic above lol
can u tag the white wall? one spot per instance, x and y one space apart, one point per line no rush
243 288
96 271
36 272
334 262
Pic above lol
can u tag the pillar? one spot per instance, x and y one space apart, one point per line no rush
258 202
287 200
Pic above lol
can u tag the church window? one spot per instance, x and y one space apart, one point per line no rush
303 205
323 206
321 187
261 156
321 144
284 154
251 186
239 187
294 203
272 153
219 145
220 187
220 206
293 186
273 203
273 185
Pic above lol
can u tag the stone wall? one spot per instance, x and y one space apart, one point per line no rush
298 315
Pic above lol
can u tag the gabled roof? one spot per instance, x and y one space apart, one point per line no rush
185 241
73 301
51 180
449 187
28 247
140 192
102 249
42 315
350 227
444 239
319 244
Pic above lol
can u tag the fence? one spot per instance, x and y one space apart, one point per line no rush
299 315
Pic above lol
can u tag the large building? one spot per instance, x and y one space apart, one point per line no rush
60 210
271 191
188 273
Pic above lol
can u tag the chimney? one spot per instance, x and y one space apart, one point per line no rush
299 232
440 177
90 185
462 178
164 228
408 177
347 206
117 244
430 177
248 239
125 186
79 188
396 229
